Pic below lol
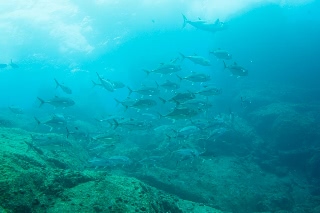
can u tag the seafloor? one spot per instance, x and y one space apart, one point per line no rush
266 160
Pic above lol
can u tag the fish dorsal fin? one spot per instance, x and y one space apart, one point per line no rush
217 21
199 18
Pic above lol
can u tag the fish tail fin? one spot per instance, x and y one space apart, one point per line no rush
180 78
119 102
160 116
157 84
147 71
130 90
163 100
57 83
185 20
116 124
94 83
38 121
224 64
41 101
183 56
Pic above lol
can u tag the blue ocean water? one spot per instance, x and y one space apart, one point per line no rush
277 43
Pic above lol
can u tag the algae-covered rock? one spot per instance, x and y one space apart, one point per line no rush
32 180
122 194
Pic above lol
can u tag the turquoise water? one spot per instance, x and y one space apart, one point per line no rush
261 104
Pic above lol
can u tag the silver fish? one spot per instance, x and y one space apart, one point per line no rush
209 91
126 103
105 83
205 25
195 104
236 70
180 113
221 54
197 59
197 77
116 84
165 69
63 87
145 91
56 119
169 85
144 103
180 97
58 101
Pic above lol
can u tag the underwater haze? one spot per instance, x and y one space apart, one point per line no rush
213 102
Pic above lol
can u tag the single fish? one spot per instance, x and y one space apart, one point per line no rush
116 84
145 91
197 59
105 137
195 104
181 113
185 132
56 120
236 70
31 146
167 68
205 25
185 154
63 87
196 77
58 102
221 54
144 103
126 103
105 84
180 97
209 91
169 85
